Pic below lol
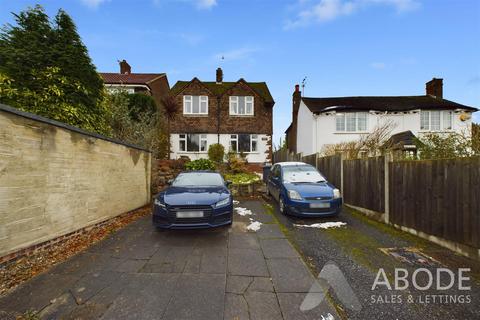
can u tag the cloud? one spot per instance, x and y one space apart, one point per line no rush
191 38
93 3
378 65
328 10
475 80
236 54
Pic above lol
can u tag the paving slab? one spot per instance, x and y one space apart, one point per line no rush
270 231
146 296
130 265
236 307
243 241
92 284
263 306
278 248
238 284
213 264
290 275
261 284
247 262
197 297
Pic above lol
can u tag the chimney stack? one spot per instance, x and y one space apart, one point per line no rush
219 75
125 67
296 99
434 88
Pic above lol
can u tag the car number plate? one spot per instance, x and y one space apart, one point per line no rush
190 214
320 205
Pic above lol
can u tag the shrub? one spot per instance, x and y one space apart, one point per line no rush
216 152
235 163
200 164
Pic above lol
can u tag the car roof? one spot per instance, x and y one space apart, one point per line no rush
292 163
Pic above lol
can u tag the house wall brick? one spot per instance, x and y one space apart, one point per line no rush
54 181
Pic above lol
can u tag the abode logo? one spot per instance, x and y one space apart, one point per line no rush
442 286
330 277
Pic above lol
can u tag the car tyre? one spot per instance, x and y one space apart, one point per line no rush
281 206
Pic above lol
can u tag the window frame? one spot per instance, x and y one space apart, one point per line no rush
189 99
253 138
442 120
345 123
234 100
202 138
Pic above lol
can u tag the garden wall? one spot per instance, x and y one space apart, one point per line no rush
56 179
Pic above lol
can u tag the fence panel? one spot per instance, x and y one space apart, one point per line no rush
364 183
438 197
330 167
310 159
284 155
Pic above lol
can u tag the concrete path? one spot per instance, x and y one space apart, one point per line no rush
141 273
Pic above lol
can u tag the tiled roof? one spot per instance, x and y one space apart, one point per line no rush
218 89
132 78
379 103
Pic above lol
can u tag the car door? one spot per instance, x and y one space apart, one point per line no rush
274 182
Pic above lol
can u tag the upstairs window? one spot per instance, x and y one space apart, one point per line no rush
351 122
195 105
436 120
193 142
241 105
243 142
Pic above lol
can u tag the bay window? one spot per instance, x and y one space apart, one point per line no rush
244 142
241 105
195 105
351 122
193 142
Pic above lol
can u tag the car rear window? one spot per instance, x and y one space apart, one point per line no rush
301 174
189 179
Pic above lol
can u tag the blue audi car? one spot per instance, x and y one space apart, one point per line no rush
195 199
302 191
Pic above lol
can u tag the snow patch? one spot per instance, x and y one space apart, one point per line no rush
325 225
236 202
254 226
243 211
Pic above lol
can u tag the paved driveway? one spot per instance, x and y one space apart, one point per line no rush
140 273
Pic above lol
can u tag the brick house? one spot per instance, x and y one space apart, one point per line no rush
153 84
236 114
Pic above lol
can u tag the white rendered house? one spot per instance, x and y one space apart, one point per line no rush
319 122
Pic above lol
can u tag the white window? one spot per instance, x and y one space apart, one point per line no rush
351 122
436 120
241 105
193 142
244 142
195 104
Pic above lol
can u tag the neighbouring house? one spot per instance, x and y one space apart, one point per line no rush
153 84
319 122
237 115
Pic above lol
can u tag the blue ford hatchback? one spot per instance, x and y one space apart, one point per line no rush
195 199
302 191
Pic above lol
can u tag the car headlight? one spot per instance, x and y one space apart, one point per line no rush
222 203
336 194
294 195
159 203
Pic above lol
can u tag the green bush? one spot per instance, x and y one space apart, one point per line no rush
216 152
235 163
242 178
200 164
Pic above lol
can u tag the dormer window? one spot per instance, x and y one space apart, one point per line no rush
195 105
241 105
351 122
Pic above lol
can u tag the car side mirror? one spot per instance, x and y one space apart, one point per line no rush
228 183
170 181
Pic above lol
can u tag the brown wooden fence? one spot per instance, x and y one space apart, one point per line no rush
330 167
438 197
364 183
283 155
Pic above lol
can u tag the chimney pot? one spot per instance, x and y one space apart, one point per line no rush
297 87
434 88
125 67
219 75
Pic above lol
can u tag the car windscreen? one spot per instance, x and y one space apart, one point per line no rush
298 174
198 179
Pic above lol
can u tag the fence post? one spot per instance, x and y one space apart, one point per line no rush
387 187
341 176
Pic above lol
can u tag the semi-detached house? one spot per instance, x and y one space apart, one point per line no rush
237 115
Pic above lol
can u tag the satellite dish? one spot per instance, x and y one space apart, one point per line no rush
464 116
